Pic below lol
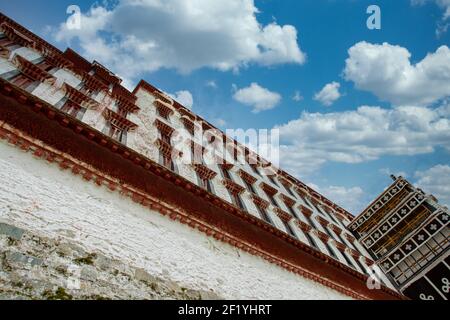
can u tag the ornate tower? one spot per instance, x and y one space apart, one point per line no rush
406 232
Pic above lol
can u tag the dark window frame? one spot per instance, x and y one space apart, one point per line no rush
265 215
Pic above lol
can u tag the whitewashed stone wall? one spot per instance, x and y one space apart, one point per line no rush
37 197
36 267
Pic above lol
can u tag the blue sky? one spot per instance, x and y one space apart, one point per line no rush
213 53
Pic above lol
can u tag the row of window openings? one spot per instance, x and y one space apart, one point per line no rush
250 187
331 251
206 183
288 189
265 216
418 259
24 81
272 179
272 199
6 42
237 201
339 238
73 109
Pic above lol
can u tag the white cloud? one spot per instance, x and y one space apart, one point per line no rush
297 96
386 71
257 97
184 97
436 180
220 122
350 199
444 23
211 84
139 36
329 94
361 135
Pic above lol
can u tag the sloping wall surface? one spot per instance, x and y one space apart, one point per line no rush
57 229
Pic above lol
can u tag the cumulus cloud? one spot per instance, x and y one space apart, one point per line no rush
220 122
211 84
257 97
297 96
350 199
184 97
329 94
138 36
386 71
361 135
436 180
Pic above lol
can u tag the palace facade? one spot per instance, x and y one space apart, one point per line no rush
86 163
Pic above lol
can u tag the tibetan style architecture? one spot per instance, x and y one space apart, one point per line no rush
96 202
407 233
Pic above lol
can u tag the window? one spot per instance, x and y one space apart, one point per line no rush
122 112
163 114
329 233
349 262
225 173
22 80
420 257
310 239
301 197
250 187
272 199
361 266
288 189
314 205
289 228
330 250
272 179
76 111
6 42
189 126
117 133
292 211
197 153
349 242
342 241
45 65
167 162
163 110
331 216
165 156
237 201
306 201
311 223
264 215
205 183
165 138
255 169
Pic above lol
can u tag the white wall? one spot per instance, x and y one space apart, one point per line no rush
39 196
